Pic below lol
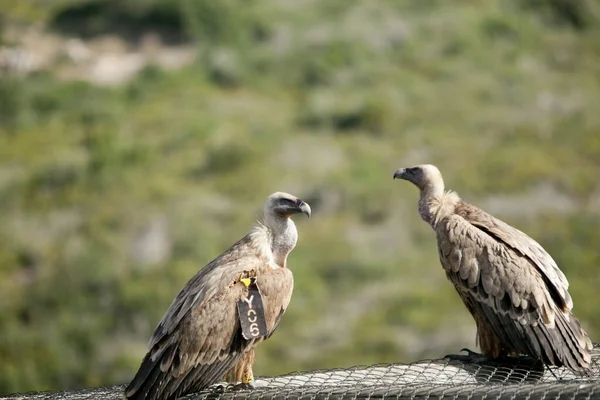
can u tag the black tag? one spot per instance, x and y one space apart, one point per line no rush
252 313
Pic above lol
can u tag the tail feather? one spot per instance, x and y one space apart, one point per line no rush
566 343
193 380
152 383
143 381
577 345
544 350
204 377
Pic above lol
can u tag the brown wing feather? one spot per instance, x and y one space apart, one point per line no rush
276 287
525 246
506 289
210 280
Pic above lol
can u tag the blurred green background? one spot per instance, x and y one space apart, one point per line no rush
138 140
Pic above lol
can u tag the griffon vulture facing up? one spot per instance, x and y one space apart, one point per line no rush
224 311
513 288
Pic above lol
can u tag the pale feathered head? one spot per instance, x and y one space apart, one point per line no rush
281 204
422 176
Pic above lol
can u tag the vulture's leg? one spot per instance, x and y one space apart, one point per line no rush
247 374
242 376
242 371
491 346
235 376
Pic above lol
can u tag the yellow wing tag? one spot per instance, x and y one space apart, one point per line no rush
251 311
246 281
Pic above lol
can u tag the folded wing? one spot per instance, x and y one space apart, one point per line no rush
511 283
199 338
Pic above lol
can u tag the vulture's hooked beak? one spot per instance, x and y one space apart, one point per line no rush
400 173
303 207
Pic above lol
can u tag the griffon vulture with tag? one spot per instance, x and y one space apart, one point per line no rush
513 288
232 304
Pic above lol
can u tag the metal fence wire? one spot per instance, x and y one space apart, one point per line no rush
521 378
431 379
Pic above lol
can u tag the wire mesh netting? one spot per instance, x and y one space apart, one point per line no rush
431 379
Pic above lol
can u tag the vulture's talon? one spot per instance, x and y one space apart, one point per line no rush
220 387
455 357
470 357
470 352
255 384
243 386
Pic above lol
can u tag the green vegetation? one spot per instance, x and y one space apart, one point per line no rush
321 99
